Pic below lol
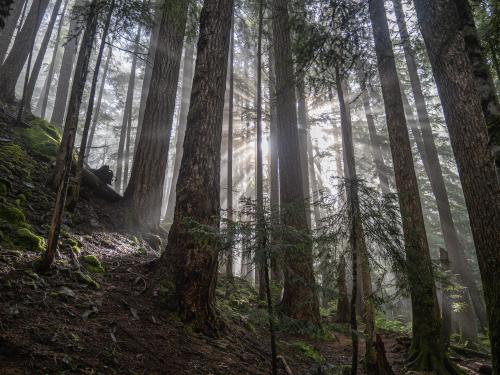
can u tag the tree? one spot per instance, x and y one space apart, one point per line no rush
10 27
482 77
95 118
4 11
299 296
427 350
64 158
187 82
432 167
230 136
189 264
122 159
441 29
41 107
12 67
82 152
70 50
146 186
33 76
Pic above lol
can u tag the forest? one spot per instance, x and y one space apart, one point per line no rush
250 187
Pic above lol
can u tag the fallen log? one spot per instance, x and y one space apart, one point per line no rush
99 187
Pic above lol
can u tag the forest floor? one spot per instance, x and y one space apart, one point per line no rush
95 314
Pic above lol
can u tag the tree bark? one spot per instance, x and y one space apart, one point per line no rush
187 83
427 350
90 107
429 155
10 28
95 118
65 155
146 187
482 77
303 134
67 61
33 77
12 67
189 264
43 99
469 139
230 214
146 83
299 296
122 159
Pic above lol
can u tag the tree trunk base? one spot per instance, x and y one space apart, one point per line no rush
427 358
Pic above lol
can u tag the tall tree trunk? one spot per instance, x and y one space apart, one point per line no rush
10 27
376 147
189 264
146 187
64 158
122 161
146 83
343 307
12 67
482 76
90 107
359 251
303 134
274 195
43 99
444 39
432 166
70 50
187 83
299 296
230 216
95 118
427 350
261 236
33 77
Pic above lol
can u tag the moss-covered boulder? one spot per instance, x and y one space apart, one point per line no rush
16 164
12 216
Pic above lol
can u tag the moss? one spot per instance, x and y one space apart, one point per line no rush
308 351
16 164
92 264
74 245
4 190
29 240
87 280
42 138
13 216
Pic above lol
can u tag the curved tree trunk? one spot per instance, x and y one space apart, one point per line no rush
469 139
299 296
427 350
189 264
146 187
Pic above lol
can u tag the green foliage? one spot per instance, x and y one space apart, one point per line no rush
92 264
395 325
12 216
308 351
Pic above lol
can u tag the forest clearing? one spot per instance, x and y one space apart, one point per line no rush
249 187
